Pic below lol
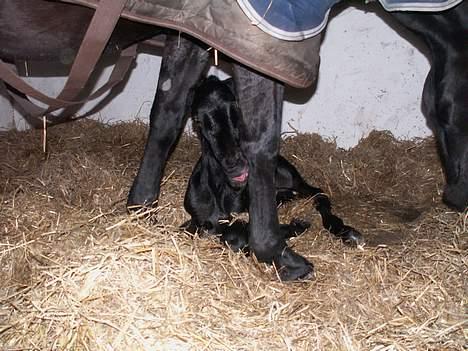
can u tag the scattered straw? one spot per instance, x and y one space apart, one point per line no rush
79 273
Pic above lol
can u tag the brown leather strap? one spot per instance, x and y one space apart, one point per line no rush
97 35
117 75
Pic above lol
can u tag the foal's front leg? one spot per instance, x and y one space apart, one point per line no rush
261 100
182 66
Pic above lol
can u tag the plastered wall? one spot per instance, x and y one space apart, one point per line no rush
371 77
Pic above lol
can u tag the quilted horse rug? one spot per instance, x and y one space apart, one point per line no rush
224 26
266 35
302 19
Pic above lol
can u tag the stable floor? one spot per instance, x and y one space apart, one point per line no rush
79 273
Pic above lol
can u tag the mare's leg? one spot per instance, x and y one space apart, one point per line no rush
182 66
261 100
445 97
290 184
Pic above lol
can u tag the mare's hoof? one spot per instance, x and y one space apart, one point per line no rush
292 266
351 237
456 197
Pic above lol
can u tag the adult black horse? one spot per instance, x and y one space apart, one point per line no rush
445 105
48 29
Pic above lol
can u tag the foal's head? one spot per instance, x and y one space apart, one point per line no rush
219 121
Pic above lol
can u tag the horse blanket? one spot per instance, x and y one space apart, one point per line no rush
222 25
302 19
253 32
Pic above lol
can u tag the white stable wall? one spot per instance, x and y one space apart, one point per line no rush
6 111
370 78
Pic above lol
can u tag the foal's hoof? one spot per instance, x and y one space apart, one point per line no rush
292 266
236 237
299 226
351 237
190 228
236 243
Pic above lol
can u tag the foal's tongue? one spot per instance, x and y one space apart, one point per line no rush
242 177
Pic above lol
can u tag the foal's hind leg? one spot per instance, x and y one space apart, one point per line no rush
294 228
236 235
290 184
183 64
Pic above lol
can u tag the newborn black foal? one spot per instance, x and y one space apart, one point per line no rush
217 186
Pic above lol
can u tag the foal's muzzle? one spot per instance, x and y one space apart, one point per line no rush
237 172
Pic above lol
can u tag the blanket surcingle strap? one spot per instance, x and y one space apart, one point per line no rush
223 25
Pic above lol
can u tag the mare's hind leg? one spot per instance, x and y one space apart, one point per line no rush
183 63
291 185
445 99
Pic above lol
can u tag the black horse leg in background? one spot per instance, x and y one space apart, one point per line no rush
445 94
260 100
183 64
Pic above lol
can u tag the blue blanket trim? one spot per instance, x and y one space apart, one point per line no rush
419 5
295 20
288 19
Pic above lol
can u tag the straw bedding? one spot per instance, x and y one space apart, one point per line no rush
78 273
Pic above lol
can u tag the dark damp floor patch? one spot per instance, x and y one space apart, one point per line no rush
388 238
398 212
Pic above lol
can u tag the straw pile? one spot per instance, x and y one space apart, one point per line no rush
79 273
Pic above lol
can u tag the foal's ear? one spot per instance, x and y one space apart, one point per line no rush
230 83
